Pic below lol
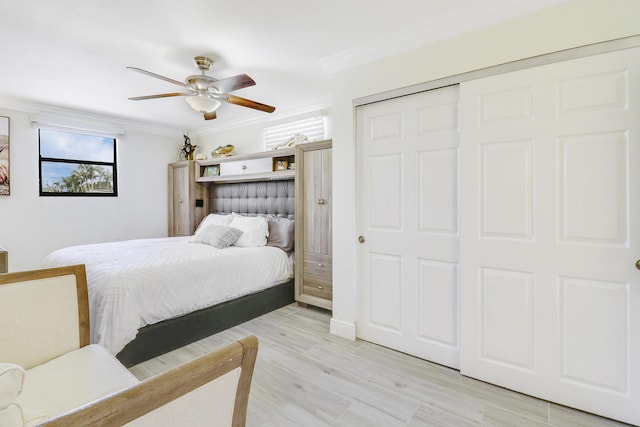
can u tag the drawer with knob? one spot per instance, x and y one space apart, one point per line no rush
319 288
318 265
241 167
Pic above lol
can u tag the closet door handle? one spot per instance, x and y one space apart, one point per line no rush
321 201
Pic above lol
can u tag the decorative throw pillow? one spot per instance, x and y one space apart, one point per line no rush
281 232
11 379
218 236
216 219
255 230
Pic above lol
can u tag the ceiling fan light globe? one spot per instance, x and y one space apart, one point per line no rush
203 104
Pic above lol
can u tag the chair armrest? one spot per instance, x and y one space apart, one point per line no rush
210 390
44 314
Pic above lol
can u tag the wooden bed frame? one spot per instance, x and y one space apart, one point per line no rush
247 199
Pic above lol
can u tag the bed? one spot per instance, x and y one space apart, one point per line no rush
150 296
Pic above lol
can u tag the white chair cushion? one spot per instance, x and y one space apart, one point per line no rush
73 380
11 379
11 416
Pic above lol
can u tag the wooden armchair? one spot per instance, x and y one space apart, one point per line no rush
45 330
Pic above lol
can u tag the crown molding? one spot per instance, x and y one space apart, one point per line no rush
56 115
480 14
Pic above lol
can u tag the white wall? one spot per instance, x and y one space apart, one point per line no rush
32 226
573 24
247 139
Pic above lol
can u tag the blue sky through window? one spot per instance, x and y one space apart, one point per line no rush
75 146
77 163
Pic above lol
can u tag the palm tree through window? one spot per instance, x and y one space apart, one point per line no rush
77 164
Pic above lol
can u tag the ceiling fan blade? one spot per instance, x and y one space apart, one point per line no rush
234 83
210 116
162 95
232 99
157 76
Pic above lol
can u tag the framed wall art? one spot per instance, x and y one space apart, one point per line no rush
212 171
4 156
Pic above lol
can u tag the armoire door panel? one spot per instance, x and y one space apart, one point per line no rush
313 225
325 201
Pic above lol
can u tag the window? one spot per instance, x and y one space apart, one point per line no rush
280 135
76 164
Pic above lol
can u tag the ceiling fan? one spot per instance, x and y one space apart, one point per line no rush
204 93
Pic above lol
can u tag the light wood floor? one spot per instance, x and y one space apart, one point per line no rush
306 377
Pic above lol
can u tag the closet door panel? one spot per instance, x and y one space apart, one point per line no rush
550 195
408 224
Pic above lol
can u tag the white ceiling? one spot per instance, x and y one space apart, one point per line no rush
72 54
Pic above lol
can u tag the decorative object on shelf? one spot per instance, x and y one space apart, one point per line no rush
247 167
223 150
4 156
201 156
295 139
187 149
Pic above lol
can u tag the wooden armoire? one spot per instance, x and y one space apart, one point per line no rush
313 240
188 200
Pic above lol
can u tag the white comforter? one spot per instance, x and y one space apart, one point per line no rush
139 282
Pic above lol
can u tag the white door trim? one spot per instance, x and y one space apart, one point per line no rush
521 64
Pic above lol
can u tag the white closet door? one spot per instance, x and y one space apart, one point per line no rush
550 232
408 217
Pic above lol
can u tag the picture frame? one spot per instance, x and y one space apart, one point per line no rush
213 170
4 156
282 165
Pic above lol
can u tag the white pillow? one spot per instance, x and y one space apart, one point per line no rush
11 380
255 230
216 219
218 236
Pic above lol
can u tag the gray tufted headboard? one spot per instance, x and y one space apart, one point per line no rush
254 198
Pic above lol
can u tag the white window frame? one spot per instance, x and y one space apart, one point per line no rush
306 128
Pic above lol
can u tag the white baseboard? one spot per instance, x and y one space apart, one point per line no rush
342 329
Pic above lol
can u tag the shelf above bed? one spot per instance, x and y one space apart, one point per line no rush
267 165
